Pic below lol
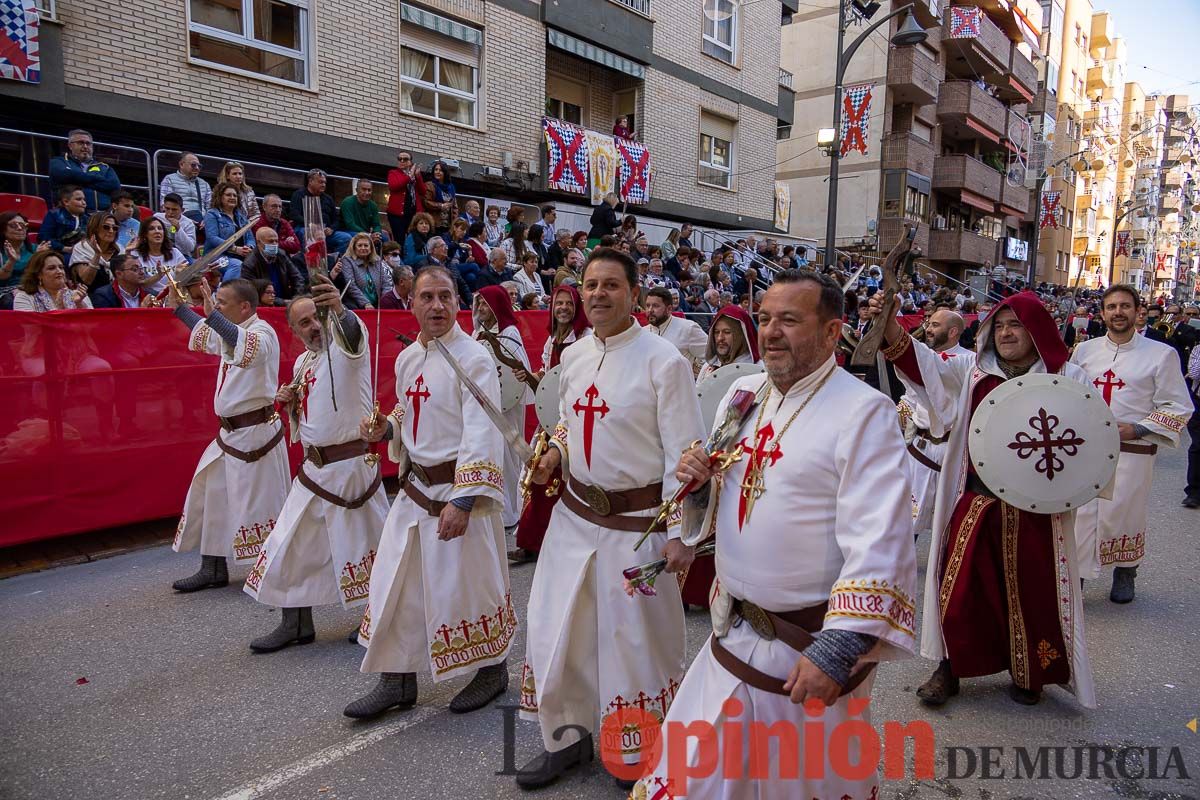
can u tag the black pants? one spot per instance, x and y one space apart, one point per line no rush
1193 471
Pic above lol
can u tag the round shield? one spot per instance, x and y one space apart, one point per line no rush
511 389
1044 443
713 388
545 399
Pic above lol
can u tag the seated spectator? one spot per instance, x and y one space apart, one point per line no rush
44 286
657 276
126 290
268 262
234 174
155 255
456 242
549 220
437 254
125 212
472 214
556 254
641 248
512 217
400 297
393 254
418 236
580 242
670 245
531 302
14 230
493 231
266 293
272 217
535 242
181 231
572 269
360 214
440 197
745 282
77 168
517 243
514 297
367 277
223 221
496 272
191 188
479 250
314 186
90 262
66 224
527 278
629 229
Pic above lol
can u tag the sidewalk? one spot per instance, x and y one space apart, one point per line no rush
84 547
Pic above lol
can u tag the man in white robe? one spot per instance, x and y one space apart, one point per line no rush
926 451
816 570
628 410
687 336
439 596
242 479
325 540
1141 382
493 313
731 340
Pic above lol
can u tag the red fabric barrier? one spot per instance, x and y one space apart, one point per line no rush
106 413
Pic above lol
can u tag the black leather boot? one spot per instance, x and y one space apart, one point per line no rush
548 767
296 627
488 684
213 572
1122 585
1026 697
940 687
395 690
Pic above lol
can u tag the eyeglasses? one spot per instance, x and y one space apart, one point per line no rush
403 158
84 142
16 223
108 227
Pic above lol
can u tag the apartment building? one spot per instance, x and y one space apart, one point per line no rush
1176 245
342 84
947 141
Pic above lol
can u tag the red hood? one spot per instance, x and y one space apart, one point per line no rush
501 305
1037 320
580 323
741 317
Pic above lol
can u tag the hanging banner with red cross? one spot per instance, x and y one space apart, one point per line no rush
1160 261
1050 210
856 118
965 22
566 156
1122 244
19 49
633 171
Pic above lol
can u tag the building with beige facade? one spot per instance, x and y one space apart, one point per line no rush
293 84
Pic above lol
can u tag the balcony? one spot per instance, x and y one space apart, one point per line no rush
961 246
1021 80
785 78
890 229
970 54
1085 224
913 76
622 26
1102 29
1014 200
969 179
1172 179
968 112
1087 200
907 152
1101 77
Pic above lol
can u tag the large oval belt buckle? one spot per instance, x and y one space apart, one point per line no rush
597 500
758 620
419 471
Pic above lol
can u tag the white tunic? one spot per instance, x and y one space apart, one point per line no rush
924 479
714 364
442 606
948 385
832 525
686 335
510 337
231 506
321 553
628 409
570 338
1142 383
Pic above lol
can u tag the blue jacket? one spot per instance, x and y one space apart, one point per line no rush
97 180
59 223
218 228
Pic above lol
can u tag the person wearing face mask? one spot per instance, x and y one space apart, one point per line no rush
268 262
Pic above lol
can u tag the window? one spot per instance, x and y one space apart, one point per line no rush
565 99
720 30
568 112
262 38
439 67
783 132
716 150
1084 43
1070 219
1078 33
907 187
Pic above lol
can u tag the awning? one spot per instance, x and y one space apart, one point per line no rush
982 203
440 24
1019 89
981 130
601 56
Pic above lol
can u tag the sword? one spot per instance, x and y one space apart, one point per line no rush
184 275
510 434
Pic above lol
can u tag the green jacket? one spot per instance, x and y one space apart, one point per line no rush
360 218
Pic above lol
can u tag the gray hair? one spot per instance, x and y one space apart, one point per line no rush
496 251
433 242
506 285
561 232
402 272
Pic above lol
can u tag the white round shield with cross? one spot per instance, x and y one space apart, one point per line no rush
545 399
1044 443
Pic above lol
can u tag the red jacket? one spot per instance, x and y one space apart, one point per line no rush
398 181
288 241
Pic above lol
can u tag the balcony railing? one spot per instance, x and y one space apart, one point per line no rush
913 76
1024 75
962 246
1014 200
785 78
640 6
979 48
906 151
956 174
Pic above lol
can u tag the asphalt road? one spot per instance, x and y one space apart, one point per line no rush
113 686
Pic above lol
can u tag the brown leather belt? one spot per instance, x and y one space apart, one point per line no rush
330 497
250 456
607 509
435 475
793 628
256 417
1140 449
333 453
431 507
921 458
929 437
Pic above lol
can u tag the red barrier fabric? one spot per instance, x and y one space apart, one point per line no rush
106 413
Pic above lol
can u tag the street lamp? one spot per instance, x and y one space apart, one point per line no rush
909 33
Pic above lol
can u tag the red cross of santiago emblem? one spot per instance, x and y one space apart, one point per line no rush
416 393
590 410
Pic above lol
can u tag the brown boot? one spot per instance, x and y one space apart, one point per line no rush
940 687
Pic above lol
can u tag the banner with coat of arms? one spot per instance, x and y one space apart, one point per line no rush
783 206
566 156
20 59
965 22
633 171
1122 244
602 165
1050 210
856 117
